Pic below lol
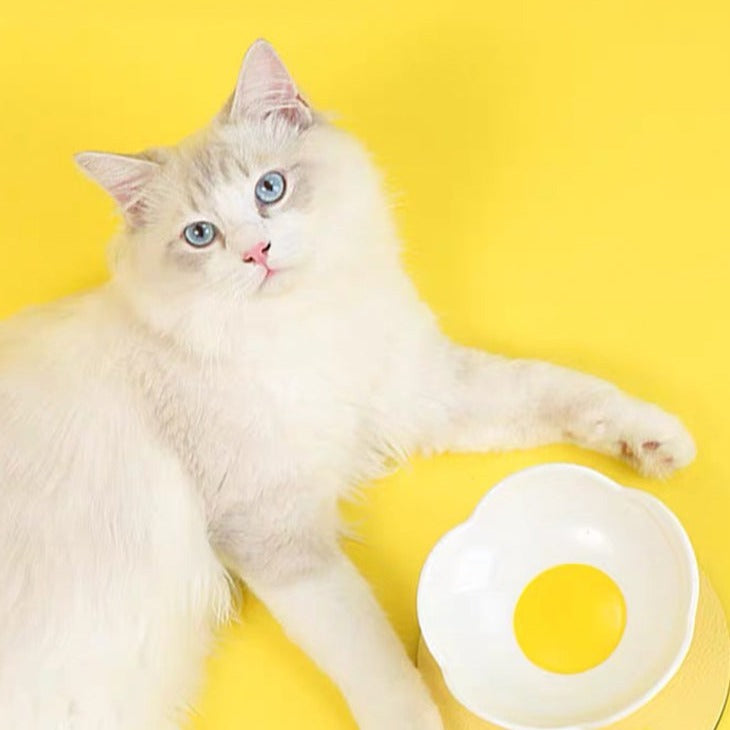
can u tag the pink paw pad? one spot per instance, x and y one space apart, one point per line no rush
650 445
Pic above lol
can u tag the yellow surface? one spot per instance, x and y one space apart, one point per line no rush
693 699
570 618
563 171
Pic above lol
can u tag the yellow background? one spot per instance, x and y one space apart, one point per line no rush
563 171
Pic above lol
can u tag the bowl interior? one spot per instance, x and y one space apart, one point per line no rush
535 520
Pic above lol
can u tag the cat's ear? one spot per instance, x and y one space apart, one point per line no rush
265 87
124 177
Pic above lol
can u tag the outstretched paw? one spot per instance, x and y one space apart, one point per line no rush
658 456
654 442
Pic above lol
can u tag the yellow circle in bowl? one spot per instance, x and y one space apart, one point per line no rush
570 619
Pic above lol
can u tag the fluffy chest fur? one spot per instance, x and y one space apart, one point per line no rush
299 407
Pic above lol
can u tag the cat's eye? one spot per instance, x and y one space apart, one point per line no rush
200 234
270 188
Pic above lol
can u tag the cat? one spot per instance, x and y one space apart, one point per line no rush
257 351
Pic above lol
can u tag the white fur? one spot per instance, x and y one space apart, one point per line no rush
189 419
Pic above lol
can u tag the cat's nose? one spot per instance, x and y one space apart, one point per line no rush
257 254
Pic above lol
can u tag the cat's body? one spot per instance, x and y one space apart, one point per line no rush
198 415
171 452
110 587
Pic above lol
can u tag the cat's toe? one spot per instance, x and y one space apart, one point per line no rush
659 445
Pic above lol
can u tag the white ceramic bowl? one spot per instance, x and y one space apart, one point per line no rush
534 520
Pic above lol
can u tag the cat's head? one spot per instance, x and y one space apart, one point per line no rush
268 199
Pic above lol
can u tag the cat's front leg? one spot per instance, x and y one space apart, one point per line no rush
327 608
478 401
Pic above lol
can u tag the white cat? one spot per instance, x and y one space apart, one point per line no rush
258 351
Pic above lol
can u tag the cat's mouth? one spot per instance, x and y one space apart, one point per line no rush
268 273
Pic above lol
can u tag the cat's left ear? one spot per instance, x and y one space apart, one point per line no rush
124 177
265 87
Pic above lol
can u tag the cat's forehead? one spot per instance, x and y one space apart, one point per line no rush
233 150
231 157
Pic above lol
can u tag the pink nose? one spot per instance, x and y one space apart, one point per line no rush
257 254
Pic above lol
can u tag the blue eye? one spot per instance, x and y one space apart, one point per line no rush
271 187
200 233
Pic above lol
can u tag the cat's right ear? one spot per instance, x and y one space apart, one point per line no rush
124 177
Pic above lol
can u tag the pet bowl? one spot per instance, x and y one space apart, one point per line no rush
566 602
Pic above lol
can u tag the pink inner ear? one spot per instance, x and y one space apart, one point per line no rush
136 211
128 189
265 87
123 177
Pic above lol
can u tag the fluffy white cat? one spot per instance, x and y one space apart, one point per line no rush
258 351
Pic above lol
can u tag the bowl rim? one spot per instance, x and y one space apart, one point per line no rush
638 494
